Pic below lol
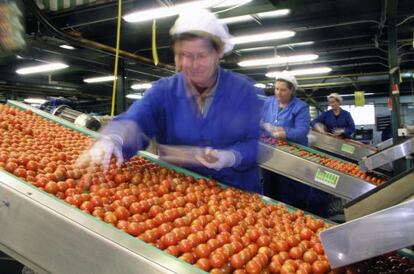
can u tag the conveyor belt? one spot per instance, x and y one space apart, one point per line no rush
316 169
347 148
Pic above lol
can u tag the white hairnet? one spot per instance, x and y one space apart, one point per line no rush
335 96
202 22
288 77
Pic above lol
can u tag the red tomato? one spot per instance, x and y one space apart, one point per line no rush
217 259
310 256
204 264
203 251
51 187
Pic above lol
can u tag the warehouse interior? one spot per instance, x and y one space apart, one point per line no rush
347 38
362 50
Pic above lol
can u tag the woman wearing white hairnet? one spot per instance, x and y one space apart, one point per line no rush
287 117
204 117
336 120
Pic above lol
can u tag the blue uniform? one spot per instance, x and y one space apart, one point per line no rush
343 120
294 118
232 123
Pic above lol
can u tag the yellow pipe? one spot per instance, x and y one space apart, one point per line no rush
118 35
121 52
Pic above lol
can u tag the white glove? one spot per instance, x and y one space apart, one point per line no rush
179 155
276 132
217 159
268 127
311 139
338 131
102 151
319 127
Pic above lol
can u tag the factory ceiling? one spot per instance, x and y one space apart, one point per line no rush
348 37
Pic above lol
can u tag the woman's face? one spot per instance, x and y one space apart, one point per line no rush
197 60
283 92
333 103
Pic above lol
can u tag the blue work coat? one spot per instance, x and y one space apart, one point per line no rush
232 123
294 118
343 120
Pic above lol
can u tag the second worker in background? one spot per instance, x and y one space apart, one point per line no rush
286 117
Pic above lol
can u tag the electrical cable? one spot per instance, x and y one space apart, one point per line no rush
405 20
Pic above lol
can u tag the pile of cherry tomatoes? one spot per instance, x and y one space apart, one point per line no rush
220 230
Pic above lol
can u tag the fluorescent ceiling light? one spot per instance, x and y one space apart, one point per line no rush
278 60
236 19
41 68
407 74
276 46
274 13
262 37
299 72
228 3
141 86
34 101
67 47
134 96
260 85
249 17
151 14
256 49
99 79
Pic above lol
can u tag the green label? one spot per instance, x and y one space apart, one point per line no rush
348 148
326 178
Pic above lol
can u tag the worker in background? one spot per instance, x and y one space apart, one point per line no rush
284 116
337 121
204 117
287 117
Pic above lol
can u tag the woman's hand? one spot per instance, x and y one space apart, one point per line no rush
319 127
338 131
276 132
101 151
217 159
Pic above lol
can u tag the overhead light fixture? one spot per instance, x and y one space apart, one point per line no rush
141 86
260 85
274 13
276 46
37 101
236 19
228 3
299 72
41 68
267 36
67 47
99 79
278 60
249 17
134 96
156 13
